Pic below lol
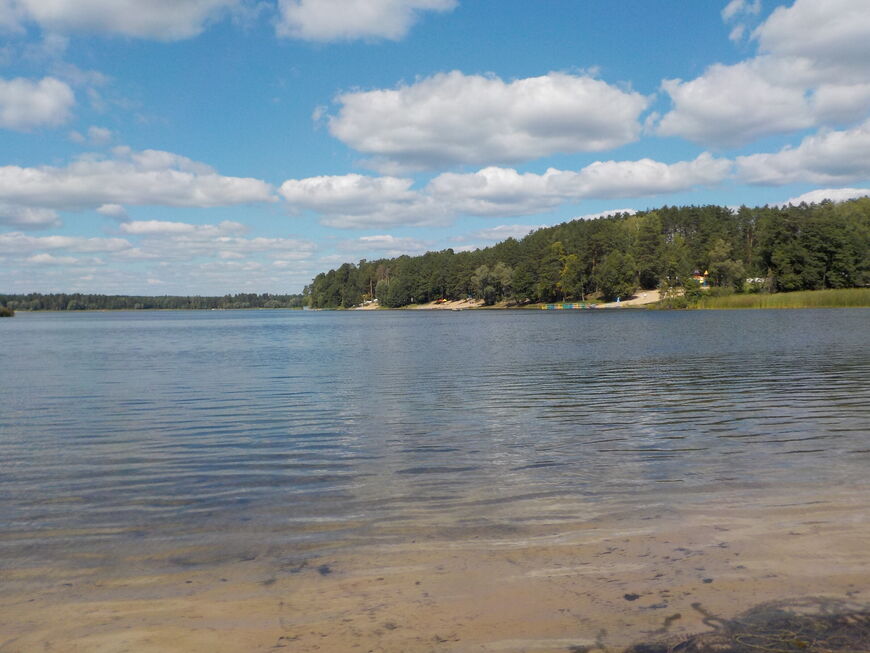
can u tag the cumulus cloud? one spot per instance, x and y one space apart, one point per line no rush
829 157
384 245
346 20
359 201
51 259
203 258
501 232
498 191
452 118
833 194
180 241
494 191
115 211
356 201
730 105
165 20
26 217
166 228
149 177
18 243
834 36
642 178
25 104
811 70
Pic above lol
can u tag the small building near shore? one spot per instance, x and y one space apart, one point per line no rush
701 278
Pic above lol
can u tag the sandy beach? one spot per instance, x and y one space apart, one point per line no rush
640 299
600 584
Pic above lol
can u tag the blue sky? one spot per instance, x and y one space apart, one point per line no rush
213 146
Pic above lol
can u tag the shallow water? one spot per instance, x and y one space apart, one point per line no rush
152 442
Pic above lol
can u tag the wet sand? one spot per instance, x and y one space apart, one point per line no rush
600 583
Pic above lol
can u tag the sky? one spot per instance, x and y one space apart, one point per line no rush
223 146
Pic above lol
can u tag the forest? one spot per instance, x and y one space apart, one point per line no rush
762 249
81 302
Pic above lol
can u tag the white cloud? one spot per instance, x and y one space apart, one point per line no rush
333 194
165 228
149 177
187 258
25 104
497 191
165 20
359 201
829 157
604 214
356 201
96 136
20 244
115 211
10 17
643 178
384 245
737 32
452 118
99 135
26 217
731 105
834 35
502 232
51 259
737 7
833 194
182 241
337 20
811 70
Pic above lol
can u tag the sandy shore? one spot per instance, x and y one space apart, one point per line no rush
447 306
459 304
642 298
601 583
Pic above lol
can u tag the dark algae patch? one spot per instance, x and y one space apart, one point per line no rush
814 624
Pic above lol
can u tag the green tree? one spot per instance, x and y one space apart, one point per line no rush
616 276
573 278
524 282
649 249
381 290
725 271
550 273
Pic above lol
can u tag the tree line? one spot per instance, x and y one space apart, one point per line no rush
82 302
762 249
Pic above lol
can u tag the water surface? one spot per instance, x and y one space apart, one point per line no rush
131 433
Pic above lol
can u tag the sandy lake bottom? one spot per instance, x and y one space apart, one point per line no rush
605 582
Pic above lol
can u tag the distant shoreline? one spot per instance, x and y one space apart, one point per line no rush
648 299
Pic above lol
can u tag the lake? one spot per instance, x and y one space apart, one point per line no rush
241 458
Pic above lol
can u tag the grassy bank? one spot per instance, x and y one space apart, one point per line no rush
6 312
842 298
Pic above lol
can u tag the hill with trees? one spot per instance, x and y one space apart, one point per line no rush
805 247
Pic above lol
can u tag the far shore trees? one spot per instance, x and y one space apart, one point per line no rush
788 248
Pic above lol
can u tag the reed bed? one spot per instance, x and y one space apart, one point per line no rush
839 298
